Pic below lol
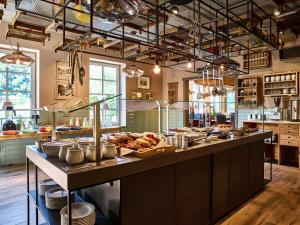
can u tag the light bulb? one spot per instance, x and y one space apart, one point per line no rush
276 12
156 69
18 61
189 65
174 10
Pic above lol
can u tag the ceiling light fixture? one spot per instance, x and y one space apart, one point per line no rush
156 69
189 65
133 71
174 10
276 12
17 57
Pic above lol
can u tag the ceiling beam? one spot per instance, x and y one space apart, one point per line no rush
8 34
28 31
112 43
28 26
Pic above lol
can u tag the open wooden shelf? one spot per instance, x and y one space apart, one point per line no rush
248 92
276 88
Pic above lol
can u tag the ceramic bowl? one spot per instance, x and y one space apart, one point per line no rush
109 150
75 156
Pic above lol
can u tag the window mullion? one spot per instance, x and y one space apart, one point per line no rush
6 85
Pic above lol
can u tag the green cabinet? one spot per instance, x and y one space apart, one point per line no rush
13 151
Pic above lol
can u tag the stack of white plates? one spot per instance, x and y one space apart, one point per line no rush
83 213
56 198
46 185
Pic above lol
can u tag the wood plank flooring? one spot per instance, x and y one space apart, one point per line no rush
278 204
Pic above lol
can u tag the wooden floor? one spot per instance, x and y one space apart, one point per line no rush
278 204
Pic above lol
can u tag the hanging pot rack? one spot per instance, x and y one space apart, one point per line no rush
156 38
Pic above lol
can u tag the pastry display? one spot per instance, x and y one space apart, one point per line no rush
135 142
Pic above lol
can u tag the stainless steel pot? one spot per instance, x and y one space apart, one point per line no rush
295 110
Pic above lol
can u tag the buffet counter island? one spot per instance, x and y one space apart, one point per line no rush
195 185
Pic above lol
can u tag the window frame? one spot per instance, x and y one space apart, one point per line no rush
117 81
33 76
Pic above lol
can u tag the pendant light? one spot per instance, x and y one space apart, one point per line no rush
175 10
132 71
189 64
156 68
17 57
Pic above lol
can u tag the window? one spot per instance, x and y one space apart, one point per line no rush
105 82
214 101
17 85
220 104
230 101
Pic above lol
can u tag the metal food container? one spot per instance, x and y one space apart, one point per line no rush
295 110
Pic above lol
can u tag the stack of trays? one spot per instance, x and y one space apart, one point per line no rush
83 213
56 198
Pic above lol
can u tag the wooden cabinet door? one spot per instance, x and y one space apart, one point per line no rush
148 198
220 189
256 167
192 192
238 175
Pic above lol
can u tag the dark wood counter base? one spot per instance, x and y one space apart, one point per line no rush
197 189
194 192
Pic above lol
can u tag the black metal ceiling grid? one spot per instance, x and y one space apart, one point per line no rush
224 18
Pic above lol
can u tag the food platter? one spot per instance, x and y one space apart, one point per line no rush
143 146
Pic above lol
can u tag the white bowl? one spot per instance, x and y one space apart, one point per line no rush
52 148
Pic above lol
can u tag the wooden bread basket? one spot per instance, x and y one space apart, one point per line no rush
161 148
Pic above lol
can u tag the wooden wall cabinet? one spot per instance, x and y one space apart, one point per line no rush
249 92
